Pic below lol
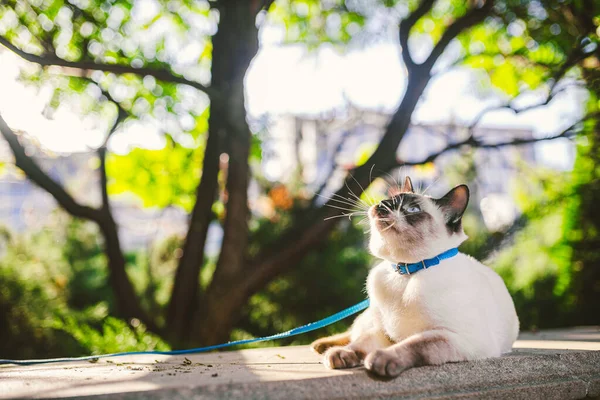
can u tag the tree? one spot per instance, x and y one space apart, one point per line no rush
581 233
98 45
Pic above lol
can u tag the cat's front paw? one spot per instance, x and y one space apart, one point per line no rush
340 357
320 346
384 363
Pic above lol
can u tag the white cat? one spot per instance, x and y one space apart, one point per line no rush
454 310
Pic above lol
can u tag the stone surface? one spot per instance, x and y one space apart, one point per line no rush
561 364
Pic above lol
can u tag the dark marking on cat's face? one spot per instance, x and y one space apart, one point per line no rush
411 224
407 205
406 214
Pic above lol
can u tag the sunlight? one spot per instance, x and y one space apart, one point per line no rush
24 110
284 80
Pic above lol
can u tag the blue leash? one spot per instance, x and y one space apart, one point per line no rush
296 331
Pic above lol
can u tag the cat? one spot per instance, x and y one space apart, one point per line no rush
455 310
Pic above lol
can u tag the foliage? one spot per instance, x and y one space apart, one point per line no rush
550 266
54 298
313 22
160 178
579 281
326 281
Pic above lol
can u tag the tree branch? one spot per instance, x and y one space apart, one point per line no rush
122 114
478 144
515 110
102 150
264 5
333 166
574 57
160 74
43 180
470 19
404 31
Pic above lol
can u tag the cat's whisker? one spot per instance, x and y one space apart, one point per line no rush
340 216
401 177
394 200
371 174
387 208
430 185
398 186
341 207
400 206
390 226
344 208
349 203
359 202
343 200
363 190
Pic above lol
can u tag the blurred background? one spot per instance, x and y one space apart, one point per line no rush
185 172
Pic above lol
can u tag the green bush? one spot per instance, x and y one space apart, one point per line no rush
55 300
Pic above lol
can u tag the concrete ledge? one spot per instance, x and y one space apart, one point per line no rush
529 372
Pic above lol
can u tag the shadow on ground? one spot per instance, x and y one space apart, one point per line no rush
557 368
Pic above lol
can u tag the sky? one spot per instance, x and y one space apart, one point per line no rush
288 79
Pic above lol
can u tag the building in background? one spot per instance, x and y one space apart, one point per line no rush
320 150
26 207
314 150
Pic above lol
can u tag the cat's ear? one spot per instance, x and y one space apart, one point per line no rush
407 186
454 204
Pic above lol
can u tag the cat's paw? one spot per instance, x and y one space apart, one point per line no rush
384 363
340 357
321 345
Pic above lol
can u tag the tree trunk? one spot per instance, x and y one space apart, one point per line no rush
184 295
128 305
127 302
219 310
234 46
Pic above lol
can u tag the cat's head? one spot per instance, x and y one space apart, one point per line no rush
410 227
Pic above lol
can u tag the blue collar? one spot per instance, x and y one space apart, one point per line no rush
408 269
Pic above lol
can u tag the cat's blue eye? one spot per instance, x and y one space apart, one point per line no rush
413 209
